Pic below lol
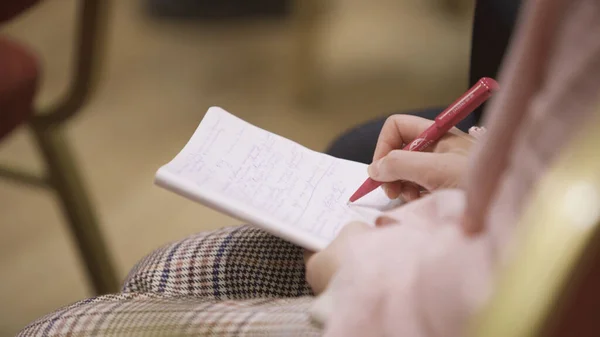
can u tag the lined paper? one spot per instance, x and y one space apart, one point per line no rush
273 177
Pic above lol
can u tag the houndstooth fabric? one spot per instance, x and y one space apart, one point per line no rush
236 281
230 263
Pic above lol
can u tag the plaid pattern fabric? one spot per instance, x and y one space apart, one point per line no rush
230 263
236 281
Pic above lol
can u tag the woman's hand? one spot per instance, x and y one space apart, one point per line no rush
441 166
321 266
420 277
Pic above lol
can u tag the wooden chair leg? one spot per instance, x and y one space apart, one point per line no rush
76 206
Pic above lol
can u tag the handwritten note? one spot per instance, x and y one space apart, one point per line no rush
277 177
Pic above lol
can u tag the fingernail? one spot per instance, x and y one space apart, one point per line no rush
384 221
385 189
393 193
373 169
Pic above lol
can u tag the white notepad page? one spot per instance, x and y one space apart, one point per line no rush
270 181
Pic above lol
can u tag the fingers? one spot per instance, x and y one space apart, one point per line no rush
406 190
476 207
393 189
307 255
410 192
321 266
397 131
350 229
423 168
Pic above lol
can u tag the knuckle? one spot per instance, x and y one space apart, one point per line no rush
382 165
391 161
395 155
429 176
391 123
391 120
433 176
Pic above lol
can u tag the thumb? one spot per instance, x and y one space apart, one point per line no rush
422 168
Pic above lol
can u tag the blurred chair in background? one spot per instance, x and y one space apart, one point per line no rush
19 73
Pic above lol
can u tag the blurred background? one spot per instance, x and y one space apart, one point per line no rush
303 71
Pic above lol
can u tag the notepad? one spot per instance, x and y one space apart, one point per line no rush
269 181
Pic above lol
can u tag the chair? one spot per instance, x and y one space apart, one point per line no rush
19 72
553 288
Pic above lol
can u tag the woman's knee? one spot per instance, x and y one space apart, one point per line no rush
229 263
159 271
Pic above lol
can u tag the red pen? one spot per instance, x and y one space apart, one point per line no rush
446 120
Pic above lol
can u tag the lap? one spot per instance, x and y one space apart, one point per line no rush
142 314
234 281
230 263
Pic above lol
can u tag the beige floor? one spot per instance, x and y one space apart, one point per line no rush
376 57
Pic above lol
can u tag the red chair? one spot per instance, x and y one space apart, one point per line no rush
19 73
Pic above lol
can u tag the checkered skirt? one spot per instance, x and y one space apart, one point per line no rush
235 281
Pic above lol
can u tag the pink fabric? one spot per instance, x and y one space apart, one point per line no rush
422 276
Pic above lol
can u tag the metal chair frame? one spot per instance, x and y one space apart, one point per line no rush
61 174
